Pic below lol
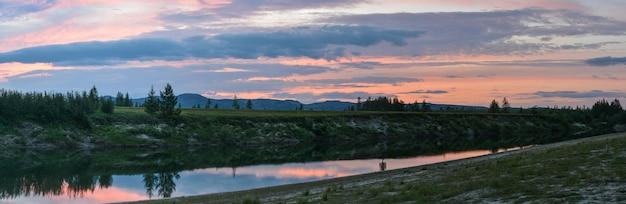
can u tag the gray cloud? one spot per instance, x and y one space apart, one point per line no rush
494 32
193 79
368 80
606 61
248 8
313 42
13 9
576 94
362 65
309 97
427 92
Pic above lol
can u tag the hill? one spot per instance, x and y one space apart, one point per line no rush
189 100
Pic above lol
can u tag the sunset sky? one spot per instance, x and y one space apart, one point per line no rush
534 52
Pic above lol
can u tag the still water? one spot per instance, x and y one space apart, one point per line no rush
120 187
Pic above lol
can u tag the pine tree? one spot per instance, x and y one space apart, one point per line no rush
208 103
425 106
505 105
249 105
107 106
93 97
127 101
168 103
151 106
119 99
494 107
235 103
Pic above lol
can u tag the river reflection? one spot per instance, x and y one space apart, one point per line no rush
83 187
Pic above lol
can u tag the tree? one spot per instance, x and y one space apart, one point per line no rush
249 104
425 106
107 106
208 103
119 99
168 103
505 105
151 106
127 101
235 103
93 98
494 107
603 108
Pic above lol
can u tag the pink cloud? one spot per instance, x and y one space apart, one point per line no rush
94 20
497 4
12 69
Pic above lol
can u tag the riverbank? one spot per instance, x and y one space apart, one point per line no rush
582 170
380 134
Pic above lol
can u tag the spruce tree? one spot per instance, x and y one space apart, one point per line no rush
249 105
505 105
494 107
208 103
151 106
119 99
168 103
235 103
107 106
93 97
127 101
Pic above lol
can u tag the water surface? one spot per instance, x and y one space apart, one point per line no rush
82 188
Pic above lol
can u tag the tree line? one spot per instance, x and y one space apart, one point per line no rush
50 107
383 103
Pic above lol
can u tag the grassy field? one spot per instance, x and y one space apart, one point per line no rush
578 171
287 113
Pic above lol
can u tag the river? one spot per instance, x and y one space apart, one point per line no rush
42 184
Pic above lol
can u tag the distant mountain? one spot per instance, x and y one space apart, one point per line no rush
188 100
330 106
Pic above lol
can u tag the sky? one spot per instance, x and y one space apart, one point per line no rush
469 52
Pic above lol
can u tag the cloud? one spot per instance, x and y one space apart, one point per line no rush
312 42
366 80
500 32
13 9
187 79
249 9
343 95
311 97
576 94
606 61
426 92
362 65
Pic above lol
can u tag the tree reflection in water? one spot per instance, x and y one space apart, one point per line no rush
163 183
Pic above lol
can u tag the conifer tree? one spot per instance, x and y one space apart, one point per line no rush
505 105
119 99
235 103
151 106
249 105
208 103
494 107
107 106
93 98
127 101
168 103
